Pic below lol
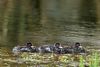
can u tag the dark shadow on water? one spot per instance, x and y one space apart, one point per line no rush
88 17
22 22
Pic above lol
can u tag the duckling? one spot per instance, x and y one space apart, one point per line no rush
27 48
58 48
78 48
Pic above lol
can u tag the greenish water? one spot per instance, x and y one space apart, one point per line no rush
43 22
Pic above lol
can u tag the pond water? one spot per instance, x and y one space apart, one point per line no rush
65 23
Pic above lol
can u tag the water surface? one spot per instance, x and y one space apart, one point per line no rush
46 22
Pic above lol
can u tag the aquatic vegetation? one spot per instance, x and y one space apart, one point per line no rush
81 64
94 60
51 59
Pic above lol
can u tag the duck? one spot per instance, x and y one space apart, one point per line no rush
56 48
26 48
78 48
